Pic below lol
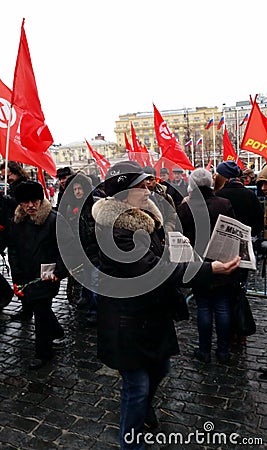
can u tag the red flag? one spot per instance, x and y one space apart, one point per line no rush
255 135
229 153
140 152
41 178
17 152
170 147
100 160
128 146
208 167
34 133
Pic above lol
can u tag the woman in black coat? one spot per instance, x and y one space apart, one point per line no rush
77 202
136 333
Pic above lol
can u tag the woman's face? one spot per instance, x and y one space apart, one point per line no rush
138 195
78 191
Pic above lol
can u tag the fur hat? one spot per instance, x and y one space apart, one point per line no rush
150 170
177 170
199 177
64 172
28 190
229 169
122 176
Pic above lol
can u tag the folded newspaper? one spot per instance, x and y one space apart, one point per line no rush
180 248
229 239
47 270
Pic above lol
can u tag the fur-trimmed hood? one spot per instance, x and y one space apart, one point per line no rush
113 212
41 216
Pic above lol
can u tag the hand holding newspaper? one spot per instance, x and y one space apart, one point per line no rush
231 238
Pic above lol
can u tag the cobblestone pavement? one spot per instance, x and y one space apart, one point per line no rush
73 403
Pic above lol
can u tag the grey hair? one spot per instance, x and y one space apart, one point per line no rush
198 178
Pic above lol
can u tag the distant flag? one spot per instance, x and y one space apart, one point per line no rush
229 153
129 148
189 143
255 135
199 141
221 123
170 147
102 163
208 167
209 124
34 133
245 119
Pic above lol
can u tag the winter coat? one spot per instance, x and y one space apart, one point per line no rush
79 214
192 213
32 243
263 177
165 204
136 331
246 205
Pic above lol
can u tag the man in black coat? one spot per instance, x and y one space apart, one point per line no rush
246 205
33 242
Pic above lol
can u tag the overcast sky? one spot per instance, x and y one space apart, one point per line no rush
97 59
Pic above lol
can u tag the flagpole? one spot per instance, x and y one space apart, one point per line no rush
202 151
7 148
192 153
213 135
237 135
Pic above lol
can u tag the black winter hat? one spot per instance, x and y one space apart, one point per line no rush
229 169
122 176
28 190
150 170
64 172
164 170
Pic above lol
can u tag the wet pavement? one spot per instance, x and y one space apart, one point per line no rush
73 402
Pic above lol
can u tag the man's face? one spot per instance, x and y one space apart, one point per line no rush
177 176
62 181
31 207
11 177
151 183
264 188
164 176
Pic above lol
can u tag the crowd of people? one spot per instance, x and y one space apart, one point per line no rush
110 240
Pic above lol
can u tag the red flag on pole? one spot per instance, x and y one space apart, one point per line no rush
229 153
100 160
208 166
129 148
255 135
34 133
170 147
17 152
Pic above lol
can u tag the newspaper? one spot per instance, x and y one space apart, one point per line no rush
229 239
47 270
180 248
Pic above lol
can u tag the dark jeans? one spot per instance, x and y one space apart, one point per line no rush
214 304
138 389
47 328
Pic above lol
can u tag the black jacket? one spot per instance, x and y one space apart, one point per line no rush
137 301
246 205
199 215
32 243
